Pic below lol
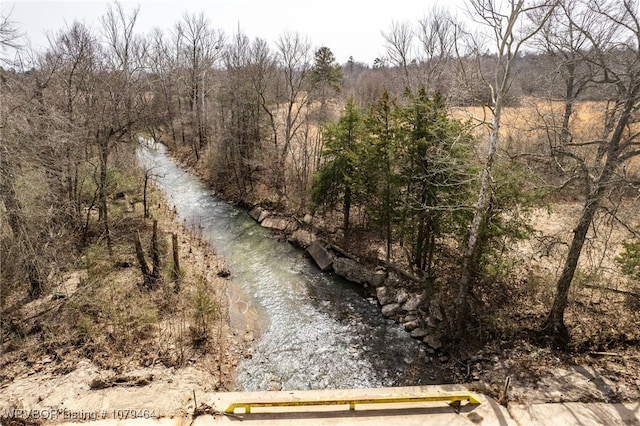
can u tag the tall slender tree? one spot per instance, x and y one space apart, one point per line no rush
340 177
200 46
383 127
293 59
508 23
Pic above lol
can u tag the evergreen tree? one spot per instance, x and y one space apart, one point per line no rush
383 123
434 162
338 179
326 71
326 77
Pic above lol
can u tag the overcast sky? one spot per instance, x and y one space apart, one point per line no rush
347 27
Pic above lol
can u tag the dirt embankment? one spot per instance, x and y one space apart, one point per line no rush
100 342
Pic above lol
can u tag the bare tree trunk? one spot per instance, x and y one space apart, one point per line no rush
155 254
565 132
144 268
346 211
102 194
508 40
554 325
16 222
144 195
176 262
484 195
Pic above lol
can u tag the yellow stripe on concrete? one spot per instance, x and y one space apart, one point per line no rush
471 398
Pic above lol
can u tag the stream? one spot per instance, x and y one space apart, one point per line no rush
319 331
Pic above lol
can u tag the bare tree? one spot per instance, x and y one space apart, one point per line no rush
243 118
438 33
568 49
399 43
32 175
200 46
294 63
510 32
72 56
163 62
118 101
10 34
613 34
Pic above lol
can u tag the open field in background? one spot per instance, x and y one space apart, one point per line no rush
530 127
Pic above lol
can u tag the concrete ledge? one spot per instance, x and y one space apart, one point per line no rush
577 414
488 412
437 413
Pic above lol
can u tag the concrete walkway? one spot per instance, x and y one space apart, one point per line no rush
577 414
488 412
373 407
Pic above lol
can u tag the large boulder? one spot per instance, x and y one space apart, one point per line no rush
320 255
257 213
278 223
350 269
302 238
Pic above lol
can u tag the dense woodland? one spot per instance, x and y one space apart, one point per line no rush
409 159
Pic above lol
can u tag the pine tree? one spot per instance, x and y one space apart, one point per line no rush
383 181
338 179
436 176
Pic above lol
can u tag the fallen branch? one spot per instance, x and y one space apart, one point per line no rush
605 354
343 252
615 355
614 290
126 381
401 271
